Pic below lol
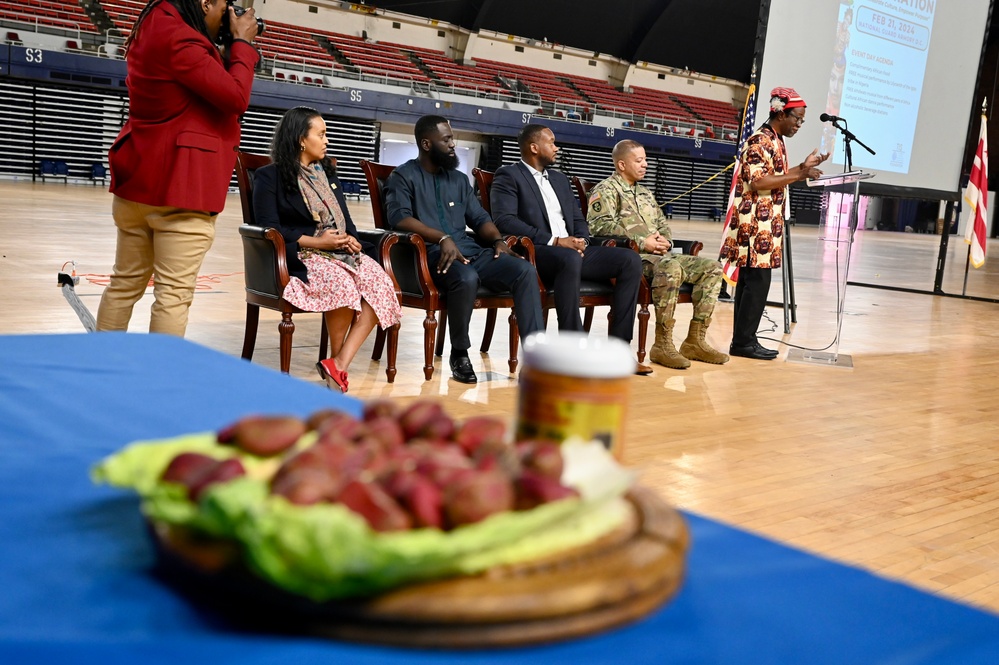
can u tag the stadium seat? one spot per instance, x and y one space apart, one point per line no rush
53 168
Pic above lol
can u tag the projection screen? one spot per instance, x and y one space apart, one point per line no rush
901 72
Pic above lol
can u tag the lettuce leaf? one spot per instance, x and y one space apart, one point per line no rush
326 551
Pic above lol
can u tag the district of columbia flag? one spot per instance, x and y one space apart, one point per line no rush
977 197
730 270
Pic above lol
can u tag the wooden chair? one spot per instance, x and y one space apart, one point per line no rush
266 275
591 294
693 247
404 257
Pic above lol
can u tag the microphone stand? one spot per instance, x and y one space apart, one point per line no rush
848 137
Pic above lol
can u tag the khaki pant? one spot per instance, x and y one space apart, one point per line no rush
169 242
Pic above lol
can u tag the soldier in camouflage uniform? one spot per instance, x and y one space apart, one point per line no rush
622 207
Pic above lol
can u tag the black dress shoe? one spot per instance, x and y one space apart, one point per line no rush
762 349
461 369
754 351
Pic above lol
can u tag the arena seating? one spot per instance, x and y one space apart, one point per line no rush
718 113
300 54
451 73
287 44
381 59
53 168
664 110
122 13
56 13
658 102
280 44
540 81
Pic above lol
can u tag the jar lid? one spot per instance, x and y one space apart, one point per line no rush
577 354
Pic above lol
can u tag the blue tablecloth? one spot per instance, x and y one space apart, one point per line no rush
75 559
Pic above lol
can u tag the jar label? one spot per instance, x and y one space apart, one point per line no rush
558 418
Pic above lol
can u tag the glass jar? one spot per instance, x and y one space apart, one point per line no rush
575 385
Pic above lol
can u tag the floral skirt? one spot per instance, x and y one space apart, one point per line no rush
333 284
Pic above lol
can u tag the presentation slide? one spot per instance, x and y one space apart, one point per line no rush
899 74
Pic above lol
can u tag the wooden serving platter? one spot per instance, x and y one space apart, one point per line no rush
616 579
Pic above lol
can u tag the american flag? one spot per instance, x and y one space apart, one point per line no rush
977 197
730 271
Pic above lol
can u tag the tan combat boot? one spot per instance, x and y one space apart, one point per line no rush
663 352
695 348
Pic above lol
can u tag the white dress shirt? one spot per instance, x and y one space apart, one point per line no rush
555 217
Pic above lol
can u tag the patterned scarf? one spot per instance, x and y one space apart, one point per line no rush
322 203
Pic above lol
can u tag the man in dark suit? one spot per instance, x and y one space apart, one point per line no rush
530 199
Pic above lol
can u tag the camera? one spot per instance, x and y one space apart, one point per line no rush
225 33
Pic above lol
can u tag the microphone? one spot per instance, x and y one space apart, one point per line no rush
825 117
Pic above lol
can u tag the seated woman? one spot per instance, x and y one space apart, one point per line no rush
300 196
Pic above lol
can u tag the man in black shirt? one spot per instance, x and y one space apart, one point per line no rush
430 197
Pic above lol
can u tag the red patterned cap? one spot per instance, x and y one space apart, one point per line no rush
782 99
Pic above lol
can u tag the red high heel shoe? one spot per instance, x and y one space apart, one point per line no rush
331 374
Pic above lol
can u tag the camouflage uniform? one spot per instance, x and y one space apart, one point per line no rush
618 209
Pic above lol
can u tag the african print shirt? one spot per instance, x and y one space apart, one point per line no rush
756 233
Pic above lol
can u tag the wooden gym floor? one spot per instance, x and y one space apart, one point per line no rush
892 465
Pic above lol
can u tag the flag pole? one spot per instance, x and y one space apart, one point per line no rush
967 265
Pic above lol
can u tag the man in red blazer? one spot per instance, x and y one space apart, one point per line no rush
172 162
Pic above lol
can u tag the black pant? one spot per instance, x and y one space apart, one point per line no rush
561 269
751 292
506 273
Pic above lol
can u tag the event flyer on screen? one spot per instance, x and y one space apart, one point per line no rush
879 61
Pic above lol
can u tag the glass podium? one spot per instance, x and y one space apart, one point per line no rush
840 206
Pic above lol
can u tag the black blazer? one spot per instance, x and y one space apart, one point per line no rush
519 209
275 207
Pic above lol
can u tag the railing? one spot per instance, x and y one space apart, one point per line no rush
42 28
671 125
273 64
117 38
615 111
495 92
574 110
372 77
